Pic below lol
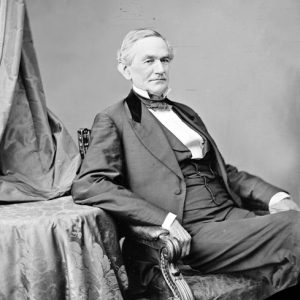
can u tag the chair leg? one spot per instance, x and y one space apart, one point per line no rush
175 280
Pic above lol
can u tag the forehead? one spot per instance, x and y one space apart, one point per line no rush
150 46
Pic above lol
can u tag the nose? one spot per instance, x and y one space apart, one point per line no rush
159 67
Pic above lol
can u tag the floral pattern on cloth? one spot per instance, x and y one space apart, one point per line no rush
56 249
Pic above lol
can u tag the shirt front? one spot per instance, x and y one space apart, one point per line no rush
189 137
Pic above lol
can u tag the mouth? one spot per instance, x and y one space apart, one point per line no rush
158 79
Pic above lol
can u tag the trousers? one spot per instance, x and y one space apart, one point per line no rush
226 238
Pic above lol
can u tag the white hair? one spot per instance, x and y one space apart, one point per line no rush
125 55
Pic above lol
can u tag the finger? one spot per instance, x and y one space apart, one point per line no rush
182 244
185 242
183 253
188 248
185 247
188 243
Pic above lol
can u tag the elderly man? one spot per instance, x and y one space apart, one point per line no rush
152 161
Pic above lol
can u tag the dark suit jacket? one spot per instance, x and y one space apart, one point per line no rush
131 171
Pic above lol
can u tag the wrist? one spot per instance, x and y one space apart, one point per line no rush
168 221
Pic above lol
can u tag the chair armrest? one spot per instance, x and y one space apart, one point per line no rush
157 238
147 233
170 251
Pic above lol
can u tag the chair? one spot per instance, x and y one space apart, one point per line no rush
150 253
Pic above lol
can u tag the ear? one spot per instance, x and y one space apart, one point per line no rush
124 70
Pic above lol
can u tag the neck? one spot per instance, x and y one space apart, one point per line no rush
147 95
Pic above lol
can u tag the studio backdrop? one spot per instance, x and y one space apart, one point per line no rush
237 63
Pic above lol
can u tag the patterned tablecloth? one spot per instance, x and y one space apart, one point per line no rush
59 250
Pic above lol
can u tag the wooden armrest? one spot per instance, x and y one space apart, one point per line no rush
157 238
170 252
83 135
148 233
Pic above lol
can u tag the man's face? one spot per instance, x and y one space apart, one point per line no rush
149 69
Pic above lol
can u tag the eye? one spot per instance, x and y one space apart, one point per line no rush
165 60
149 61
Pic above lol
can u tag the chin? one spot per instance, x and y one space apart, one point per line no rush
158 91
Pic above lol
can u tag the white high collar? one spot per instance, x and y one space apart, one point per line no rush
145 94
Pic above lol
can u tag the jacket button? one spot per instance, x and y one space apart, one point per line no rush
177 192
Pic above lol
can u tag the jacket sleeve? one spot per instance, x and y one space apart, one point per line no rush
101 180
250 188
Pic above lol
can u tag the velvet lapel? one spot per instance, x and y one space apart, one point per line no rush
148 130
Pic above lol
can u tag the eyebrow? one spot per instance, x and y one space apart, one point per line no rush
153 57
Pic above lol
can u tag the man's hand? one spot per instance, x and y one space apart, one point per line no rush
283 205
178 232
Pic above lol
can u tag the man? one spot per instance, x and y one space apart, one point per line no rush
151 161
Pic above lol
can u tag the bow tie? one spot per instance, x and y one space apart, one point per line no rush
156 103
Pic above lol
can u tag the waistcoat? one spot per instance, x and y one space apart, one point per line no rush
206 197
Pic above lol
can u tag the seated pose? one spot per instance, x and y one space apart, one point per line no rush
151 161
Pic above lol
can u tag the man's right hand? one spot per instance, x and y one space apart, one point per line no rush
178 232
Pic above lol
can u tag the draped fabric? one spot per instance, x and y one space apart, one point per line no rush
38 158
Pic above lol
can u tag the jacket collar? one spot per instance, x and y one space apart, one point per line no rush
135 107
150 133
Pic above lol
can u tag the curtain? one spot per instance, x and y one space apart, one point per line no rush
38 158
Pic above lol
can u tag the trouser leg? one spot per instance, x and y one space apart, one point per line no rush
269 243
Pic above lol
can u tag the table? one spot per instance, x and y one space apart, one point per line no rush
59 250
